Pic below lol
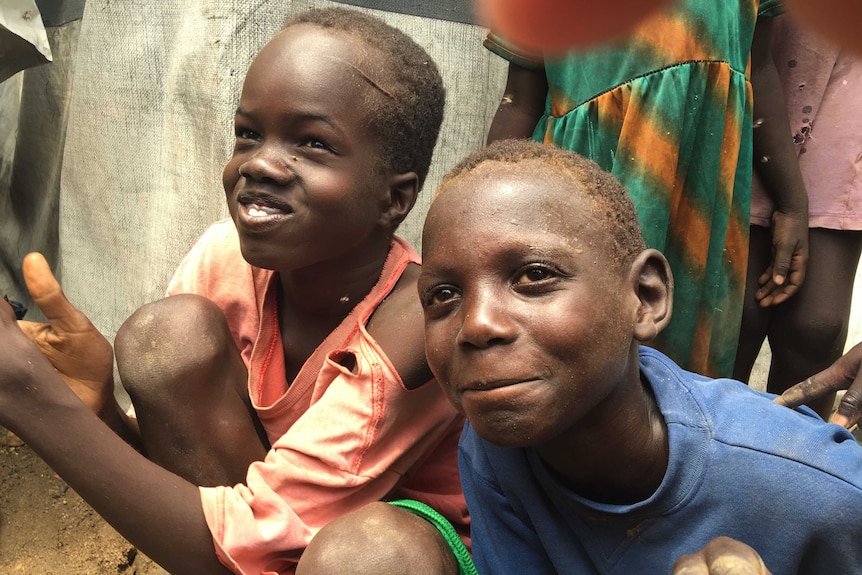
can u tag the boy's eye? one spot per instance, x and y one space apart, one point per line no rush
245 134
533 274
316 143
440 295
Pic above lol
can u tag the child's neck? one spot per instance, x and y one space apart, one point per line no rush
331 289
312 302
620 455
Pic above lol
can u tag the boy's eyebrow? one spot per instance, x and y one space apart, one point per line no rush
525 251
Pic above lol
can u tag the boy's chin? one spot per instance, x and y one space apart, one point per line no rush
511 433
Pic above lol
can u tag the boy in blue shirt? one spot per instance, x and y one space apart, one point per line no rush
585 451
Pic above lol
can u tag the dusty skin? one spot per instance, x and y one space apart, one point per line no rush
46 528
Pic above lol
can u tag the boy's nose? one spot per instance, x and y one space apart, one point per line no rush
269 164
485 322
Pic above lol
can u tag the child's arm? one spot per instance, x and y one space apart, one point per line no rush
776 163
522 105
155 510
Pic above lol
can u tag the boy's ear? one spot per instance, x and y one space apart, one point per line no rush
403 189
653 283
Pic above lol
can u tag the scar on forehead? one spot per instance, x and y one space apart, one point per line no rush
362 73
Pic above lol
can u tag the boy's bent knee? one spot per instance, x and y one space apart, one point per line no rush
175 339
171 314
378 539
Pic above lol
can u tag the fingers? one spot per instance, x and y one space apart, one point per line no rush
780 263
784 250
765 277
808 390
848 413
721 556
774 294
46 292
37 274
775 288
845 373
850 407
771 293
789 259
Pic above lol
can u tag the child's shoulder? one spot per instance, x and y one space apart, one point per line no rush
219 241
743 420
398 328
214 260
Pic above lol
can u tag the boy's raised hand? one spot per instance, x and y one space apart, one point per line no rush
83 357
722 556
845 373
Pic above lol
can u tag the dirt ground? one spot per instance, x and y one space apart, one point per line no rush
46 528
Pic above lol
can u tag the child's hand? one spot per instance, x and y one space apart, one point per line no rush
83 356
722 556
845 373
789 259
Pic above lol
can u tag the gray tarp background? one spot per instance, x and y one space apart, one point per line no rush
111 155
33 112
148 129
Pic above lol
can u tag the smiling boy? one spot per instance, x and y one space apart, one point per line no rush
585 452
283 383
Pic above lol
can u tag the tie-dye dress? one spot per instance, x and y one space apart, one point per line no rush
669 112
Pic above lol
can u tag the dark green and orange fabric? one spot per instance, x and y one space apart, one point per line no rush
669 113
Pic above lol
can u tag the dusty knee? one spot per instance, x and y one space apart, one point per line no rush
378 539
172 340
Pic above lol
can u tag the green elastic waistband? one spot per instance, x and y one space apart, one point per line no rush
465 562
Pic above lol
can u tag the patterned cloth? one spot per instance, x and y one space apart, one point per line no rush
668 111
821 86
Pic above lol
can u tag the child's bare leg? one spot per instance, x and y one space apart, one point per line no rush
808 331
378 539
187 381
755 319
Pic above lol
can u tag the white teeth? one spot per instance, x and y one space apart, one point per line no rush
262 210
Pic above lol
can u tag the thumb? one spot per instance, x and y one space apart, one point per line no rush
46 292
781 264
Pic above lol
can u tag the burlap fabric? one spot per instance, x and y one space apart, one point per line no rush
149 130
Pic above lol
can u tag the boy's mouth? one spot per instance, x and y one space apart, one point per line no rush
263 205
490 385
260 212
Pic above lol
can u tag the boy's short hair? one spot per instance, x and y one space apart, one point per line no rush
612 207
408 123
